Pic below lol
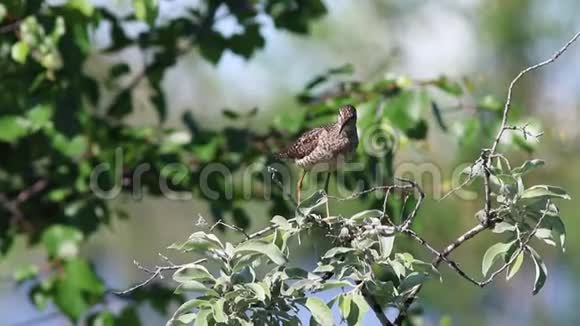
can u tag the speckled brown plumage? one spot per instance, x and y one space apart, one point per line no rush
325 144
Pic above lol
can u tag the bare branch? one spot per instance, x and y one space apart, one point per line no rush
486 156
375 306
157 272
508 101
231 227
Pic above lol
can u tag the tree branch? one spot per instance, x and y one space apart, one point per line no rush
157 272
486 156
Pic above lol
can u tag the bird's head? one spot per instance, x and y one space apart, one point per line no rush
346 115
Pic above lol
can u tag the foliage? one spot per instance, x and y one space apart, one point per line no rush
254 281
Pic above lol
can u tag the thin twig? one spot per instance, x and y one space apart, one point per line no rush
440 256
231 227
157 272
508 101
407 222
375 306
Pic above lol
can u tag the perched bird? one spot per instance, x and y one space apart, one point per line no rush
324 146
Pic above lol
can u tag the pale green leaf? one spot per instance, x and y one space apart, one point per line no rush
360 217
386 245
193 272
320 311
84 6
20 51
218 311
202 317
337 251
258 291
358 309
281 222
527 166
515 266
261 247
544 192
493 253
344 302
198 241
146 10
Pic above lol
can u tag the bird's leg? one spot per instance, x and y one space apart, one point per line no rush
326 192
299 185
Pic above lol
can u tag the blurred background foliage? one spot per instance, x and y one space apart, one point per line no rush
200 82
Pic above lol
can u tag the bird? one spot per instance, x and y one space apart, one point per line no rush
324 146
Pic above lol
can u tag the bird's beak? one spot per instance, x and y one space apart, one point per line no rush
344 124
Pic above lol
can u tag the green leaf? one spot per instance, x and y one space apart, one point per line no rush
207 152
412 280
185 308
146 10
503 227
544 192
337 251
558 228
78 289
193 272
386 244
448 86
104 318
541 271
246 43
20 52
187 319
281 222
344 69
362 216
198 241
358 310
527 167
73 148
218 311
196 287
202 317
317 199
25 272
320 311
493 253
334 284
385 272
515 266
40 117
2 12
84 6
344 302
258 291
62 241
12 128
264 248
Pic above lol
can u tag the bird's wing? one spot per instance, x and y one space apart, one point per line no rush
303 146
